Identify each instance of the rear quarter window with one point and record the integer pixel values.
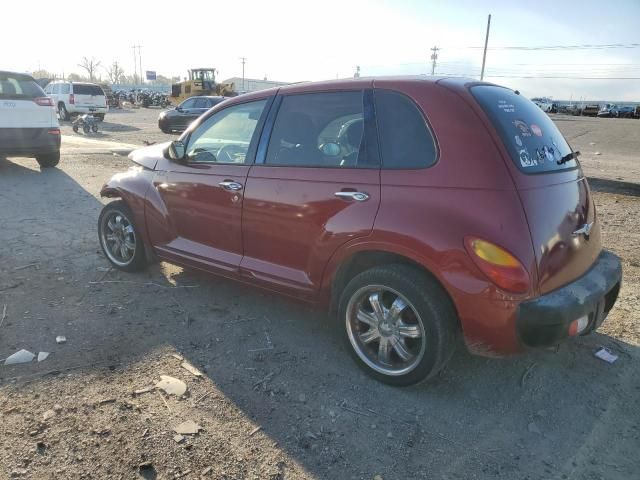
(15, 86)
(405, 140)
(82, 89)
(534, 142)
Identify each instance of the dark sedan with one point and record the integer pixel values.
(179, 118)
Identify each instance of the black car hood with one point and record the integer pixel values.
(148, 157)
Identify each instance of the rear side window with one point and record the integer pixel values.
(15, 86)
(534, 142)
(63, 88)
(319, 130)
(405, 139)
(84, 89)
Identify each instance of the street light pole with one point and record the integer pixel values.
(486, 42)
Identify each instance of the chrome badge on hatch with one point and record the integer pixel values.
(584, 230)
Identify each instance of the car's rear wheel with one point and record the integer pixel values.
(63, 114)
(119, 238)
(398, 323)
(49, 160)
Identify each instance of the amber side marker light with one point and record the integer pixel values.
(500, 266)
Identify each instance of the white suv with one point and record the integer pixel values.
(28, 123)
(77, 98)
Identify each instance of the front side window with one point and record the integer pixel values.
(201, 103)
(188, 103)
(534, 142)
(226, 136)
(319, 130)
(405, 139)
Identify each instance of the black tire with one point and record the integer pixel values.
(138, 261)
(75, 128)
(49, 160)
(63, 114)
(433, 306)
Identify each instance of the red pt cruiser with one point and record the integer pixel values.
(416, 210)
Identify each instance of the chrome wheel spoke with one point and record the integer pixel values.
(376, 304)
(110, 237)
(118, 238)
(111, 225)
(124, 252)
(366, 317)
(370, 335)
(396, 309)
(409, 331)
(401, 349)
(384, 349)
(129, 244)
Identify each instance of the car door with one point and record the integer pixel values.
(314, 187)
(202, 196)
(184, 113)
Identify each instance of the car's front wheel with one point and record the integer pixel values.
(119, 238)
(398, 323)
(49, 160)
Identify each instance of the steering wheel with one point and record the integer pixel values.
(227, 154)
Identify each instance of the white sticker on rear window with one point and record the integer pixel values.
(525, 160)
(522, 127)
(506, 107)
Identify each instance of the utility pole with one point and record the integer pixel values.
(244, 60)
(140, 61)
(486, 42)
(135, 65)
(434, 57)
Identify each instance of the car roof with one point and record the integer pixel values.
(8, 72)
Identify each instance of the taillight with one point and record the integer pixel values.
(500, 266)
(53, 131)
(72, 99)
(44, 101)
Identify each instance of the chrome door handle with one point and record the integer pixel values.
(230, 185)
(357, 196)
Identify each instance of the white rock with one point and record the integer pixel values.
(22, 356)
(61, 339)
(171, 385)
(42, 356)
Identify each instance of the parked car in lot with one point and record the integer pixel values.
(28, 123)
(179, 118)
(590, 110)
(545, 104)
(626, 111)
(417, 211)
(73, 98)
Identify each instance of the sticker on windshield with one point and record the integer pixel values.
(548, 153)
(540, 156)
(525, 160)
(518, 141)
(523, 127)
(537, 131)
(506, 107)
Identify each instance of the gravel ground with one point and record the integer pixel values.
(279, 397)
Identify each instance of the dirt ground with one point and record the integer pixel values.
(279, 397)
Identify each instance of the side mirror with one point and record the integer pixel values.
(177, 151)
(179, 109)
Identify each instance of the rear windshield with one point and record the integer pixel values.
(14, 86)
(84, 89)
(532, 139)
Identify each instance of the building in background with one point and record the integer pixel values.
(252, 84)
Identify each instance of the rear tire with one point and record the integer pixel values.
(49, 160)
(63, 114)
(418, 340)
(114, 233)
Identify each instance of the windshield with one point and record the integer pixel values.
(534, 142)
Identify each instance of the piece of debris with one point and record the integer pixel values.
(527, 374)
(171, 385)
(147, 471)
(302, 398)
(106, 400)
(41, 447)
(255, 430)
(206, 471)
(4, 314)
(177, 356)
(533, 428)
(25, 266)
(148, 143)
(42, 356)
(104, 269)
(49, 414)
(22, 356)
(191, 369)
(188, 428)
(178, 438)
(597, 153)
(377, 477)
(143, 390)
(57, 408)
(602, 353)
(61, 339)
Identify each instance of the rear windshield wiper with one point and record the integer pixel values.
(568, 156)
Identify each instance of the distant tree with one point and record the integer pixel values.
(42, 74)
(115, 73)
(74, 77)
(91, 66)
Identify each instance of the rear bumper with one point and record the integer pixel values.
(29, 141)
(545, 320)
(87, 109)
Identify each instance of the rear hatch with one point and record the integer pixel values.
(18, 107)
(554, 192)
(89, 95)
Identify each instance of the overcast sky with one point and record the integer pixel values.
(293, 40)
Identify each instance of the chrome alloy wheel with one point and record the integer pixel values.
(118, 238)
(385, 330)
